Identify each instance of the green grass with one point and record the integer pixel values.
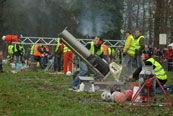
(43, 94)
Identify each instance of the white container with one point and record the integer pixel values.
(93, 88)
(82, 87)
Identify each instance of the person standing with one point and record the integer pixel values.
(57, 54)
(128, 54)
(17, 52)
(10, 51)
(140, 45)
(68, 55)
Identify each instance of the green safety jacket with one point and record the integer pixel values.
(10, 49)
(131, 49)
(32, 49)
(66, 48)
(99, 52)
(58, 44)
(113, 51)
(22, 50)
(159, 71)
(137, 42)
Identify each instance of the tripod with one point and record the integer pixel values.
(148, 84)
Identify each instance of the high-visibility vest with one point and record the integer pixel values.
(46, 48)
(113, 51)
(36, 52)
(23, 50)
(137, 42)
(10, 49)
(131, 49)
(66, 48)
(99, 52)
(15, 48)
(58, 44)
(32, 49)
(159, 71)
(109, 51)
(105, 50)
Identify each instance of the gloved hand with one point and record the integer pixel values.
(124, 54)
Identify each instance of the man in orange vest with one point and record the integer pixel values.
(68, 55)
(105, 52)
(37, 54)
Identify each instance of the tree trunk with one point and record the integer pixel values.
(157, 23)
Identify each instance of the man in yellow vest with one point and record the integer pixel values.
(140, 45)
(17, 52)
(129, 53)
(31, 52)
(95, 48)
(10, 52)
(57, 56)
(22, 54)
(157, 68)
(68, 55)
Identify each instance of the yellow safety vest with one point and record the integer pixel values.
(99, 52)
(23, 52)
(137, 42)
(32, 49)
(15, 48)
(113, 51)
(57, 46)
(131, 49)
(10, 49)
(109, 51)
(66, 48)
(159, 71)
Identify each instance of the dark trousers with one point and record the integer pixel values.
(37, 59)
(57, 63)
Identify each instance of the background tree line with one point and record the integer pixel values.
(87, 18)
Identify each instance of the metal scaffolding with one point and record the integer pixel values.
(51, 41)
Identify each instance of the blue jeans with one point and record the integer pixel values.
(57, 63)
(138, 61)
(127, 62)
(84, 70)
(44, 62)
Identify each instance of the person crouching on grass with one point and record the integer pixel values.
(157, 68)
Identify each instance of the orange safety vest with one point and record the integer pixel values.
(36, 52)
(105, 50)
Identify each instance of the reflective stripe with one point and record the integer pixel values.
(132, 46)
(158, 70)
(161, 74)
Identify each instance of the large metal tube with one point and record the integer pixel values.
(70, 39)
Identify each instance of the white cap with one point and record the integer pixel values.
(3, 37)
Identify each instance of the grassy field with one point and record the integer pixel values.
(44, 94)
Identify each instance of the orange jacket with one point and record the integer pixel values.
(36, 52)
(105, 50)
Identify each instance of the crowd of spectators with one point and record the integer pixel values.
(165, 55)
